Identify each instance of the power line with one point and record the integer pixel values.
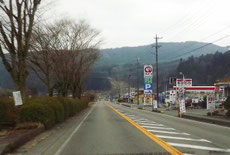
(178, 56)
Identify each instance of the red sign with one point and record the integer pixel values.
(148, 71)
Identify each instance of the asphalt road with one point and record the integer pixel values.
(185, 135)
(101, 130)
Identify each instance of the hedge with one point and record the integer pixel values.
(38, 113)
(50, 110)
(46, 110)
(8, 113)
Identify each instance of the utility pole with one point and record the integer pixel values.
(129, 88)
(137, 83)
(157, 82)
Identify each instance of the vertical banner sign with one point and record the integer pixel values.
(182, 106)
(148, 84)
(180, 91)
(210, 103)
(17, 98)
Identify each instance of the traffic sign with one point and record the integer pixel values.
(148, 86)
(180, 90)
(148, 70)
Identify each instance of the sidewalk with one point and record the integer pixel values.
(193, 114)
(9, 143)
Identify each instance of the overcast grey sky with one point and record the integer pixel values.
(135, 22)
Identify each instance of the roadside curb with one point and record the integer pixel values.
(158, 111)
(126, 105)
(208, 120)
(22, 139)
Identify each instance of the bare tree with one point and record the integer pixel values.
(16, 24)
(63, 54)
(41, 57)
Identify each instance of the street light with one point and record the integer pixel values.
(183, 77)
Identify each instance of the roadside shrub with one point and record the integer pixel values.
(53, 103)
(51, 110)
(38, 113)
(8, 112)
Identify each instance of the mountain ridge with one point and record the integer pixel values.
(168, 52)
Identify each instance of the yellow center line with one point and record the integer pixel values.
(159, 141)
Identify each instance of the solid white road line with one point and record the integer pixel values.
(182, 138)
(199, 147)
(149, 124)
(71, 135)
(156, 127)
(169, 132)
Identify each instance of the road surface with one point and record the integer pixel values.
(104, 129)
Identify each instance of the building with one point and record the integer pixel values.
(225, 86)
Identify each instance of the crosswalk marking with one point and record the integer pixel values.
(157, 127)
(150, 124)
(199, 147)
(182, 138)
(169, 132)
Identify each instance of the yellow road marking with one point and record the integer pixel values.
(159, 141)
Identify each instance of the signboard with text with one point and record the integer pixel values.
(17, 98)
(148, 84)
(186, 83)
(148, 70)
(182, 106)
(210, 103)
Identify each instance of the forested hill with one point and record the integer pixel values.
(206, 69)
(167, 52)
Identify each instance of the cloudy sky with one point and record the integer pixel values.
(136, 22)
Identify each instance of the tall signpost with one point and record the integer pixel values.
(148, 84)
(181, 98)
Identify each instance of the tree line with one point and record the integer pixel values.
(206, 69)
(60, 53)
